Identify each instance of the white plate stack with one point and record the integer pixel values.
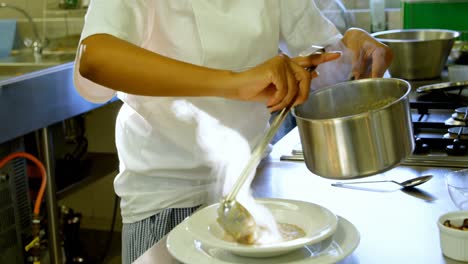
(328, 238)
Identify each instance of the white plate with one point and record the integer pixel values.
(182, 246)
(317, 222)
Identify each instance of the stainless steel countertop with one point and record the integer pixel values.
(25, 64)
(395, 226)
(40, 99)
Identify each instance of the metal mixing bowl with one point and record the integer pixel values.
(418, 53)
(356, 128)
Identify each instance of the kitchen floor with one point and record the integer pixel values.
(94, 242)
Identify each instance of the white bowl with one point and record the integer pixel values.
(453, 242)
(318, 223)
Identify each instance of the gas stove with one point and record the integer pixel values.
(440, 126)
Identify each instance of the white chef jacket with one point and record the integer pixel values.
(162, 164)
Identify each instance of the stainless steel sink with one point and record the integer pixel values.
(10, 71)
(23, 62)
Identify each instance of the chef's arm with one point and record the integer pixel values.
(122, 66)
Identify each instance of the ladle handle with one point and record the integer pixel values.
(257, 153)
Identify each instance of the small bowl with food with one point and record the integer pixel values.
(298, 224)
(453, 232)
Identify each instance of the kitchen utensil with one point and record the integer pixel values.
(453, 242)
(418, 53)
(356, 128)
(406, 184)
(457, 185)
(318, 223)
(232, 216)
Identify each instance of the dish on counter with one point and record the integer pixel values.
(457, 185)
(317, 222)
(183, 246)
(453, 242)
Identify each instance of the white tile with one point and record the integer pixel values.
(394, 19)
(34, 7)
(11, 13)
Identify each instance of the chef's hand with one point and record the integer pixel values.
(371, 58)
(281, 81)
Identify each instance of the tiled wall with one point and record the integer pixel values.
(34, 8)
(51, 25)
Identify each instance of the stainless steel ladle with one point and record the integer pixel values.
(406, 184)
(234, 218)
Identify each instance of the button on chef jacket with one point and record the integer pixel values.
(162, 164)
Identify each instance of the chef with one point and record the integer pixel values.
(218, 56)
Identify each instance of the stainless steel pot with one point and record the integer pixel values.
(347, 133)
(418, 53)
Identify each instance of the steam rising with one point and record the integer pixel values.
(336, 12)
(227, 152)
(334, 71)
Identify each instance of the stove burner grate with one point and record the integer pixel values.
(457, 132)
(440, 127)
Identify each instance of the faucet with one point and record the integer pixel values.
(36, 44)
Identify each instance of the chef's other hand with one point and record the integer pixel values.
(281, 81)
(371, 58)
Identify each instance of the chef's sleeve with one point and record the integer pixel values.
(124, 19)
(302, 26)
